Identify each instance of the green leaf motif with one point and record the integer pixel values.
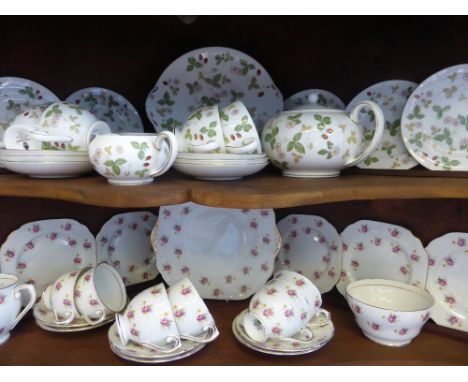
(192, 64)
(135, 145)
(416, 113)
(120, 161)
(299, 148)
(290, 146)
(440, 111)
(166, 100)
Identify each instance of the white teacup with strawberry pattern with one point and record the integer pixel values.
(10, 303)
(192, 317)
(59, 297)
(279, 311)
(99, 292)
(148, 320)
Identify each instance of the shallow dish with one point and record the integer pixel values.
(49, 169)
(223, 157)
(40, 153)
(219, 172)
(389, 312)
(228, 254)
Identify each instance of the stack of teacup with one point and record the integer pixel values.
(220, 144)
(50, 141)
(162, 325)
(81, 299)
(284, 317)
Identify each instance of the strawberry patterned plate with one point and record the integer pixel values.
(124, 242)
(209, 76)
(110, 107)
(375, 250)
(446, 280)
(321, 97)
(311, 246)
(228, 254)
(40, 251)
(138, 353)
(322, 335)
(391, 96)
(18, 94)
(434, 123)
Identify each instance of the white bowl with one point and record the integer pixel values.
(215, 172)
(50, 169)
(389, 312)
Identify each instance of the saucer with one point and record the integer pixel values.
(138, 353)
(322, 335)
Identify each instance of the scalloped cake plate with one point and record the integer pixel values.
(376, 250)
(228, 254)
(208, 76)
(312, 247)
(110, 107)
(435, 121)
(391, 96)
(446, 280)
(124, 242)
(38, 252)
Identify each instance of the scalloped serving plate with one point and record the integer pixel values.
(312, 246)
(228, 254)
(447, 280)
(376, 250)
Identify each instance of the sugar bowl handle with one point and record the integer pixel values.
(171, 140)
(379, 128)
(32, 300)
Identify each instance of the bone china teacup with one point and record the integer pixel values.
(192, 317)
(99, 292)
(148, 320)
(279, 311)
(133, 159)
(10, 303)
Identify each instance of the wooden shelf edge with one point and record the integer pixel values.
(260, 191)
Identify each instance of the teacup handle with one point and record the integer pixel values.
(379, 128)
(305, 332)
(249, 148)
(97, 321)
(205, 148)
(97, 127)
(171, 140)
(175, 341)
(43, 136)
(67, 321)
(321, 312)
(211, 334)
(32, 299)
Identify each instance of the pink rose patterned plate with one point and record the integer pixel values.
(447, 280)
(312, 247)
(138, 353)
(110, 107)
(228, 254)
(322, 335)
(209, 76)
(124, 242)
(40, 251)
(375, 250)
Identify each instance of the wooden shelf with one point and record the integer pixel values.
(259, 191)
(434, 346)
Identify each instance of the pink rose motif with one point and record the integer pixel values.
(246, 270)
(300, 282)
(360, 246)
(394, 232)
(177, 228)
(264, 212)
(276, 330)
(164, 240)
(364, 228)
(155, 291)
(201, 317)
(286, 248)
(125, 280)
(130, 314)
(77, 293)
(134, 226)
(321, 239)
(254, 252)
(271, 291)
(253, 224)
(303, 315)
(461, 242)
(317, 275)
(71, 242)
(450, 300)
(449, 261)
(268, 312)
(402, 331)
(93, 302)
(442, 282)
(245, 210)
(244, 288)
(431, 262)
(377, 241)
(354, 263)
(228, 279)
(103, 240)
(293, 234)
(344, 247)
(286, 262)
(147, 261)
(185, 291)
(132, 268)
(146, 309)
(415, 257)
(66, 302)
(185, 269)
(36, 228)
(146, 275)
(216, 292)
(307, 230)
(166, 213)
(134, 332)
(10, 254)
(145, 217)
(392, 318)
(179, 313)
(178, 252)
(185, 210)
(67, 227)
(2, 298)
(319, 223)
(342, 274)
(375, 326)
(404, 270)
(21, 266)
(77, 260)
(87, 277)
(255, 304)
(111, 249)
(120, 221)
(264, 267)
(29, 245)
(288, 313)
(292, 293)
(73, 274)
(266, 239)
(167, 267)
(58, 285)
(204, 280)
(117, 263)
(396, 249)
(334, 247)
(357, 309)
(87, 245)
(326, 259)
(331, 273)
(452, 320)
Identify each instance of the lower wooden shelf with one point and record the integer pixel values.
(30, 345)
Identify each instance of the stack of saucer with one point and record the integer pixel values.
(220, 166)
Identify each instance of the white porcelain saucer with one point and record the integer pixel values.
(138, 353)
(322, 335)
(52, 168)
(216, 171)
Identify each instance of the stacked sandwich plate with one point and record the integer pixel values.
(220, 166)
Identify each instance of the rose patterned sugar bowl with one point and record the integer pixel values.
(315, 142)
(389, 313)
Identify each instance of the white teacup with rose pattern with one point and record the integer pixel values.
(311, 294)
(59, 297)
(279, 311)
(240, 134)
(202, 132)
(99, 292)
(148, 320)
(10, 303)
(192, 317)
(65, 119)
(133, 159)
